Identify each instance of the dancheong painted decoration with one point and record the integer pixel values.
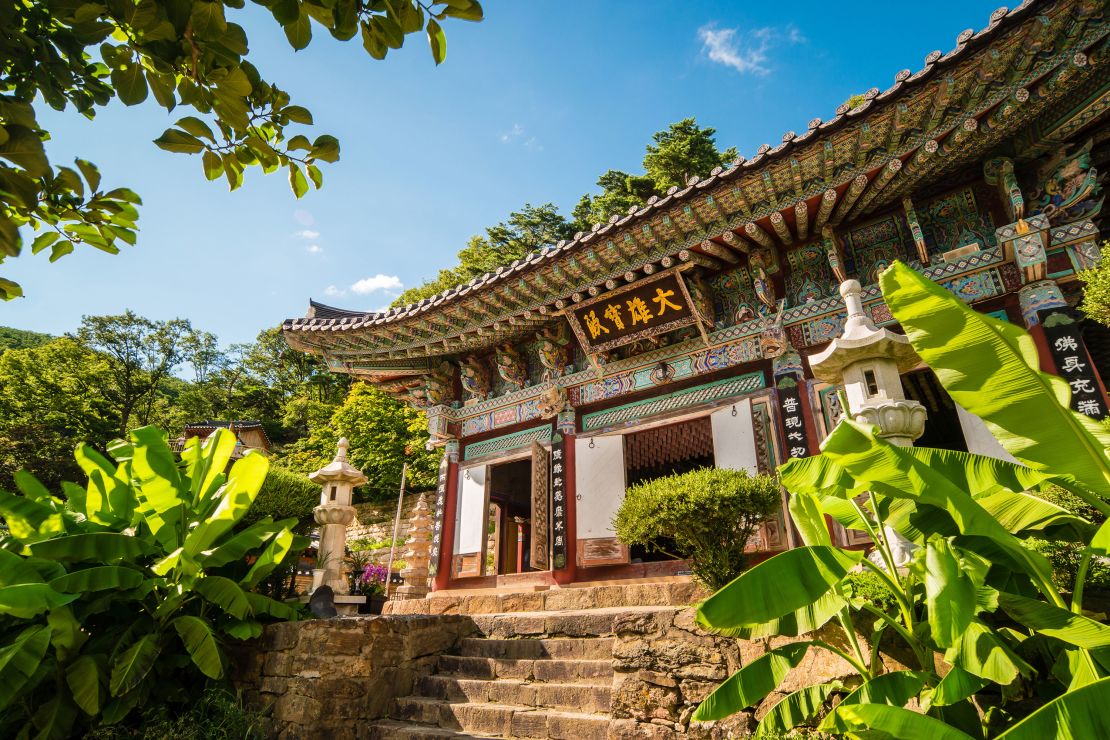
(691, 322)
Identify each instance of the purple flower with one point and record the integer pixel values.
(374, 574)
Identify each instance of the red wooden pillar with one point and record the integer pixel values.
(447, 537)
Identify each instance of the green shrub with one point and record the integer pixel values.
(706, 515)
(216, 715)
(1065, 556)
(286, 495)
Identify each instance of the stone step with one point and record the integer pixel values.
(502, 720)
(578, 648)
(679, 592)
(388, 729)
(542, 671)
(599, 622)
(582, 697)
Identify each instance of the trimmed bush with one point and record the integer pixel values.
(284, 495)
(706, 515)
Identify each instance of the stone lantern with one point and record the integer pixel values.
(867, 362)
(337, 479)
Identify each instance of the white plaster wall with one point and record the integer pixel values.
(470, 514)
(979, 439)
(599, 483)
(734, 438)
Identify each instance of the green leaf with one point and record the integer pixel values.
(98, 578)
(208, 19)
(194, 125)
(161, 491)
(1075, 667)
(983, 653)
(243, 629)
(297, 180)
(200, 644)
(437, 41)
(1053, 621)
(173, 140)
(130, 83)
(885, 722)
(213, 165)
(956, 686)
(96, 546)
(315, 175)
(44, 240)
(991, 368)
(54, 719)
(299, 32)
(235, 499)
(20, 659)
(24, 148)
(133, 664)
(25, 517)
(265, 606)
(205, 463)
(298, 114)
(236, 547)
(1028, 515)
(949, 593)
(1077, 715)
(270, 558)
(9, 290)
(26, 600)
(808, 517)
(90, 172)
(752, 683)
(798, 622)
(326, 147)
(778, 586)
(895, 689)
(226, 594)
(83, 679)
(109, 500)
(473, 12)
(796, 708)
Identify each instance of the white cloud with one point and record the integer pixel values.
(303, 217)
(746, 52)
(377, 282)
(512, 134)
(333, 292)
(306, 234)
(314, 249)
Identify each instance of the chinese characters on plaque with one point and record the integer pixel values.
(1073, 364)
(795, 436)
(649, 307)
(558, 505)
(437, 525)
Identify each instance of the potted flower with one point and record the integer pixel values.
(372, 585)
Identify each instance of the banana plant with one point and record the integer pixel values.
(989, 646)
(128, 589)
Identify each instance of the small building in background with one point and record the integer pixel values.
(249, 435)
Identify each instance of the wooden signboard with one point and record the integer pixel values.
(437, 523)
(558, 504)
(541, 507)
(645, 309)
(1073, 363)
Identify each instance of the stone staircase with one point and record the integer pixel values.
(527, 675)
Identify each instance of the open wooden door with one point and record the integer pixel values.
(471, 517)
(541, 507)
(599, 486)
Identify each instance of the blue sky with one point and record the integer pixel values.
(531, 106)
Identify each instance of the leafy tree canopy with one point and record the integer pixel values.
(186, 53)
(1096, 291)
(21, 338)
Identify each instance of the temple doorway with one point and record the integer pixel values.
(509, 528)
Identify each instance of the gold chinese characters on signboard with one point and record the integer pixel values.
(647, 308)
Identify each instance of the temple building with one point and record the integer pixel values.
(679, 334)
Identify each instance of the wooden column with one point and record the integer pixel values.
(447, 537)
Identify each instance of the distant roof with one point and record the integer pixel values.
(240, 425)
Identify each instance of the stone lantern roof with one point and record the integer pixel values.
(339, 470)
(860, 340)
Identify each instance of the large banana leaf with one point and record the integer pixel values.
(19, 660)
(235, 500)
(1027, 515)
(990, 367)
(29, 520)
(205, 463)
(224, 593)
(200, 644)
(83, 679)
(896, 472)
(163, 495)
(809, 518)
(752, 683)
(796, 708)
(270, 558)
(92, 546)
(1064, 625)
(1077, 715)
(777, 587)
(982, 652)
(133, 664)
(54, 719)
(956, 686)
(895, 688)
(98, 578)
(109, 499)
(949, 593)
(264, 605)
(799, 622)
(14, 570)
(236, 547)
(26, 600)
(886, 722)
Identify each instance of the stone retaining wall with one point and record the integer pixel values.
(328, 678)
